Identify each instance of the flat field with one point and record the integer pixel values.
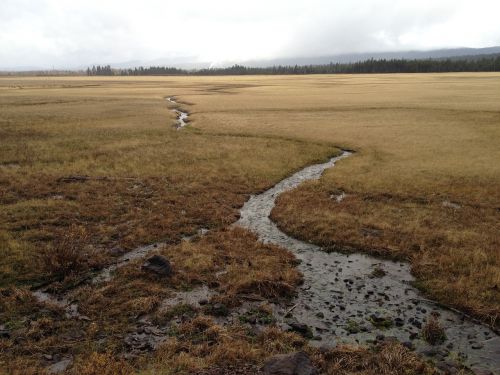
(91, 168)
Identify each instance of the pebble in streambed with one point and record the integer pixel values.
(342, 301)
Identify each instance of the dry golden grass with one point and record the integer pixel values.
(207, 348)
(146, 181)
(421, 140)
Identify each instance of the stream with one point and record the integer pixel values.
(181, 115)
(343, 302)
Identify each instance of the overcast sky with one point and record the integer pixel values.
(73, 33)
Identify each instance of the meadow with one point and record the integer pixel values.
(91, 168)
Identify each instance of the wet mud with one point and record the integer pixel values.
(361, 299)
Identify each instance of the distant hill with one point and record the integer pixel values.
(455, 53)
(189, 63)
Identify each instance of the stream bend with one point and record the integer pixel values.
(341, 300)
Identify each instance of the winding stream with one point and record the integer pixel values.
(181, 115)
(341, 300)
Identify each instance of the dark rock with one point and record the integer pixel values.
(320, 315)
(4, 333)
(477, 345)
(217, 309)
(430, 352)
(297, 363)
(399, 322)
(447, 367)
(381, 321)
(202, 302)
(409, 345)
(159, 265)
(301, 328)
(416, 323)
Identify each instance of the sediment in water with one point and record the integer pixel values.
(342, 301)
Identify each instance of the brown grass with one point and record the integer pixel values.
(146, 182)
(432, 331)
(209, 349)
(421, 140)
(70, 254)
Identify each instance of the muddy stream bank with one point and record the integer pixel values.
(341, 301)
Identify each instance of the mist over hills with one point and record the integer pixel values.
(190, 63)
(355, 57)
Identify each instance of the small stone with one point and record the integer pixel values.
(447, 367)
(4, 334)
(297, 363)
(320, 315)
(301, 328)
(159, 265)
(477, 345)
(399, 322)
(409, 345)
(218, 309)
(416, 323)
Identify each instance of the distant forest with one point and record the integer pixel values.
(489, 63)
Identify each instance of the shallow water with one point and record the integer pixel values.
(340, 299)
(181, 116)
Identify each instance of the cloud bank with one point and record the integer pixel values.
(69, 34)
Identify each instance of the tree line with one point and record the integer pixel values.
(491, 63)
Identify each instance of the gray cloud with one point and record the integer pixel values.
(60, 33)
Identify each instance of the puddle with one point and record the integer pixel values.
(448, 204)
(138, 253)
(195, 297)
(342, 301)
(71, 309)
(338, 197)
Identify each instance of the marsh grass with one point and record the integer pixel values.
(421, 140)
(433, 332)
(70, 255)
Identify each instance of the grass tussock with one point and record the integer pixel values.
(70, 254)
(433, 332)
(235, 263)
(202, 347)
(102, 363)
